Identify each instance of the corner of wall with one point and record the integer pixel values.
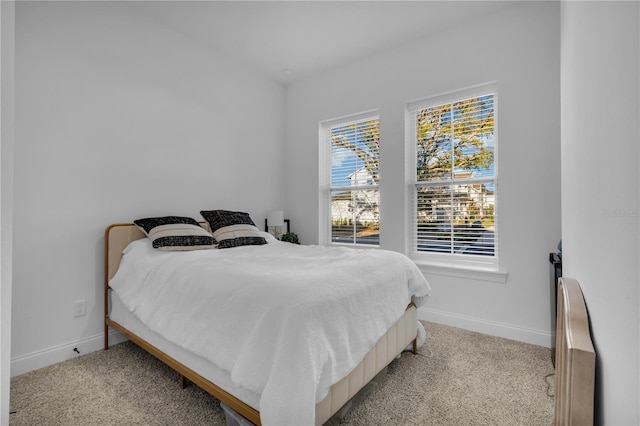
(7, 59)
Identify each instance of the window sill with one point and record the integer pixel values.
(354, 245)
(460, 271)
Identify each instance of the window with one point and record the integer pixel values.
(352, 194)
(453, 142)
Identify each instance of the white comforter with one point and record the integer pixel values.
(286, 321)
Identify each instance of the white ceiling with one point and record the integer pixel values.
(307, 37)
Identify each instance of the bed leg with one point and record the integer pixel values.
(183, 382)
(415, 346)
(106, 337)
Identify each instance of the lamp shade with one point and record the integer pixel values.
(275, 218)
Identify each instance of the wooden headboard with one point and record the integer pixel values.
(575, 358)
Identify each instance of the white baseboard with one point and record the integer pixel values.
(492, 328)
(35, 360)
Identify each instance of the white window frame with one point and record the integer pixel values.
(325, 188)
(463, 265)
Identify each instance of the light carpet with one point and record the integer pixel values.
(458, 378)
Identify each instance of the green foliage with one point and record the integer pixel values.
(290, 237)
(451, 137)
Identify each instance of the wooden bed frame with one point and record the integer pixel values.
(118, 236)
(575, 358)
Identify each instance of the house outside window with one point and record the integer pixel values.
(351, 148)
(453, 166)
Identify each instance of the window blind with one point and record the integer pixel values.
(455, 181)
(355, 153)
(354, 181)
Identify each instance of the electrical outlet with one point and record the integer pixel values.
(79, 308)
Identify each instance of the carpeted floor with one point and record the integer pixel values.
(458, 378)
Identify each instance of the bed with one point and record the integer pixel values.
(286, 366)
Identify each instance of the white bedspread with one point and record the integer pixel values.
(286, 321)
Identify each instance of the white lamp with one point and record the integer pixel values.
(275, 220)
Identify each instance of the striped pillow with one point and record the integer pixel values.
(175, 233)
(233, 229)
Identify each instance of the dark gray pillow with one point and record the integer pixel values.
(175, 233)
(233, 229)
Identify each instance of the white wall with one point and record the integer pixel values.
(118, 117)
(517, 47)
(601, 189)
(7, 13)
